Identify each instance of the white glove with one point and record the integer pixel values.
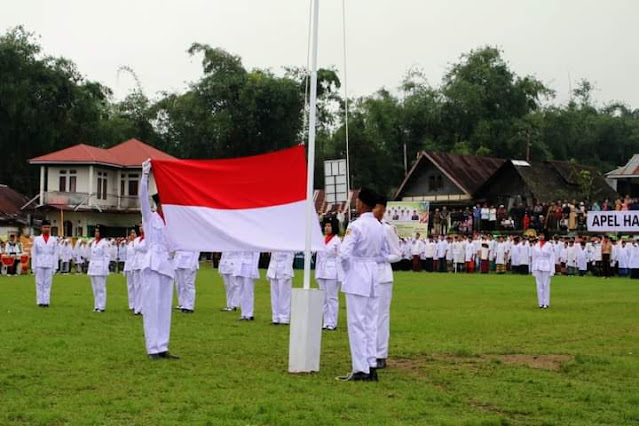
(146, 167)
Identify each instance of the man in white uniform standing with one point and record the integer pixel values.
(360, 252)
(280, 275)
(44, 262)
(186, 265)
(225, 269)
(157, 275)
(245, 274)
(99, 259)
(384, 288)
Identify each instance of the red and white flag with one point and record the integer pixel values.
(253, 203)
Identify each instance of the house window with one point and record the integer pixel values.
(133, 184)
(63, 181)
(72, 180)
(122, 187)
(104, 186)
(435, 182)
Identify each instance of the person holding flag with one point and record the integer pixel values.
(360, 252)
(280, 275)
(157, 274)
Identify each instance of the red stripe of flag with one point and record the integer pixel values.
(265, 180)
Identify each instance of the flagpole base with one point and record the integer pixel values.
(305, 342)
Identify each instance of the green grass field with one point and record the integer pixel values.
(464, 350)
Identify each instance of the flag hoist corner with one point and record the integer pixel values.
(255, 203)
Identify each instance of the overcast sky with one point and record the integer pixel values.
(555, 40)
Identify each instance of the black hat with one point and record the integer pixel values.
(383, 200)
(156, 198)
(368, 197)
(97, 227)
(46, 222)
(334, 224)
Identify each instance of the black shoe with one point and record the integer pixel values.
(354, 377)
(178, 308)
(247, 318)
(168, 355)
(372, 376)
(46, 305)
(154, 357)
(137, 313)
(187, 311)
(228, 309)
(381, 363)
(275, 323)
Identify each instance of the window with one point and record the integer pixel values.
(72, 180)
(63, 181)
(99, 194)
(435, 182)
(133, 184)
(104, 186)
(122, 187)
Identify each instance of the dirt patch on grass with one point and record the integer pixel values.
(418, 364)
(551, 362)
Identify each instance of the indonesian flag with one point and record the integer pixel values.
(253, 203)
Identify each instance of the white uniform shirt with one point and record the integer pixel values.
(130, 256)
(44, 254)
(500, 254)
(99, 257)
(363, 247)
(326, 263)
(394, 254)
(157, 243)
(280, 265)
(543, 258)
(225, 267)
(246, 265)
(186, 260)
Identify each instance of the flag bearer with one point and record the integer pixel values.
(186, 264)
(543, 268)
(328, 273)
(384, 288)
(245, 273)
(44, 262)
(99, 259)
(157, 274)
(225, 269)
(280, 274)
(362, 248)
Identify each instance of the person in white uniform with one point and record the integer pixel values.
(360, 252)
(78, 256)
(327, 274)
(543, 268)
(129, 257)
(225, 269)
(66, 254)
(280, 275)
(99, 258)
(44, 262)
(139, 250)
(186, 264)
(157, 275)
(384, 289)
(245, 273)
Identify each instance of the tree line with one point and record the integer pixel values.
(481, 107)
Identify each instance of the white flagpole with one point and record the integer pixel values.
(310, 207)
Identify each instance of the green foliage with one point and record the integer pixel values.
(451, 338)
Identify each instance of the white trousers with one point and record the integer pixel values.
(247, 295)
(543, 287)
(43, 279)
(361, 314)
(281, 289)
(157, 297)
(98, 283)
(232, 291)
(385, 294)
(331, 301)
(130, 288)
(137, 290)
(185, 283)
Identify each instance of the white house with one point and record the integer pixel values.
(83, 186)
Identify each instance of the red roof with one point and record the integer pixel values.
(11, 201)
(127, 154)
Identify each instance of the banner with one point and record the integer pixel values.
(408, 217)
(613, 221)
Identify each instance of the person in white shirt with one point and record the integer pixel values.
(99, 259)
(44, 262)
(245, 273)
(459, 253)
(543, 267)
(122, 252)
(416, 251)
(450, 241)
(128, 269)
(280, 274)
(66, 254)
(157, 274)
(139, 253)
(469, 255)
(363, 247)
(633, 260)
(13, 248)
(384, 288)
(571, 258)
(623, 258)
(430, 251)
(225, 269)
(78, 256)
(524, 258)
(582, 258)
(515, 256)
(328, 274)
(186, 264)
(441, 247)
(500, 256)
